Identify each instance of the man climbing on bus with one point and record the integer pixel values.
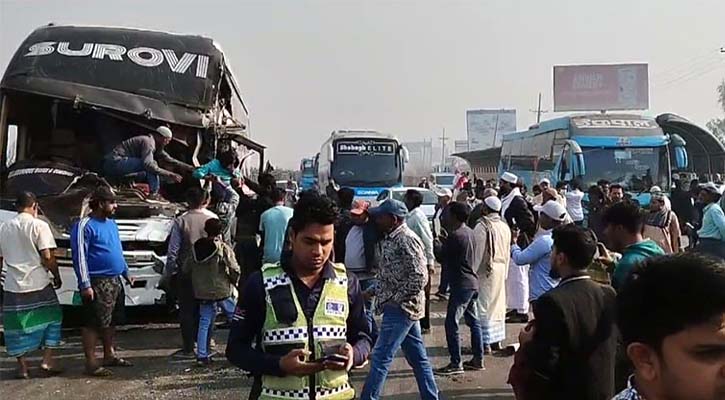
(139, 155)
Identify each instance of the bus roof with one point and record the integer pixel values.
(362, 133)
(563, 123)
(160, 75)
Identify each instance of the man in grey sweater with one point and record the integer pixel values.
(139, 154)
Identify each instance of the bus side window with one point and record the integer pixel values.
(12, 145)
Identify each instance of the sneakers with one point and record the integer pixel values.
(184, 355)
(204, 362)
(517, 318)
(156, 198)
(487, 350)
(474, 365)
(449, 370)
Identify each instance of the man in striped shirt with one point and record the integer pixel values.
(99, 265)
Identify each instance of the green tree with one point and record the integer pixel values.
(717, 125)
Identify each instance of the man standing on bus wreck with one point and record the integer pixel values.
(139, 154)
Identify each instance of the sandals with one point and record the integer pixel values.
(99, 372)
(22, 375)
(117, 362)
(51, 371)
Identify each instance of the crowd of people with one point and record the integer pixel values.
(335, 284)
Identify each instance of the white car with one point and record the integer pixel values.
(443, 180)
(430, 199)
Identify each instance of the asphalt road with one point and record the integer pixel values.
(156, 376)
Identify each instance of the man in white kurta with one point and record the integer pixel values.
(492, 252)
(517, 281)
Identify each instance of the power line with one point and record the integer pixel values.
(692, 74)
(695, 72)
(685, 65)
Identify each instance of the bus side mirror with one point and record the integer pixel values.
(580, 167)
(679, 144)
(330, 153)
(681, 161)
(577, 159)
(406, 154)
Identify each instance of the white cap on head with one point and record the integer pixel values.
(165, 132)
(711, 187)
(545, 181)
(553, 209)
(493, 203)
(655, 189)
(510, 178)
(446, 193)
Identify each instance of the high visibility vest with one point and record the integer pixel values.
(286, 328)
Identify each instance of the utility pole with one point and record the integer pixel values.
(539, 111)
(443, 148)
(495, 131)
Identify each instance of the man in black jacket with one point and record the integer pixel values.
(570, 345)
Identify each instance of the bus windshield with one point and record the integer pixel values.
(383, 170)
(635, 168)
(308, 168)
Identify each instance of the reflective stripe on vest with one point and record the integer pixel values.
(305, 393)
(328, 328)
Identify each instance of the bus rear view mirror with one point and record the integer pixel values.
(330, 153)
(406, 154)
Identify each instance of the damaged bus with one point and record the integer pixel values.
(71, 93)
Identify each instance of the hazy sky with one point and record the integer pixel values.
(414, 67)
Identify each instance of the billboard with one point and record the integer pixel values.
(460, 146)
(601, 87)
(486, 127)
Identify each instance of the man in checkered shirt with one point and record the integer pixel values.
(402, 275)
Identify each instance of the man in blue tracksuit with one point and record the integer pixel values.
(99, 265)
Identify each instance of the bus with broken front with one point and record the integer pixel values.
(71, 93)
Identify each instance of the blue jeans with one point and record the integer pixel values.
(228, 306)
(118, 168)
(207, 315)
(398, 331)
(463, 303)
(366, 284)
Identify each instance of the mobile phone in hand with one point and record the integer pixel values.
(334, 358)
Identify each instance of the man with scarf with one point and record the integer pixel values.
(517, 214)
(661, 224)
